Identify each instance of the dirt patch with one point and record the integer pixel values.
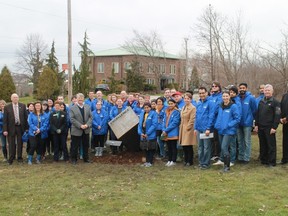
(124, 157)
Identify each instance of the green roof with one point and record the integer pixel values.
(120, 51)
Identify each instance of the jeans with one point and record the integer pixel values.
(204, 150)
(244, 143)
(225, 141)
(4, 145)
(233, 148)
(161, 144)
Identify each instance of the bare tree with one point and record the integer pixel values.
(31, 57)
(277, 59)
(149, 49)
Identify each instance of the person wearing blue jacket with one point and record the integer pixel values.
(204, 124)
(160, 110)
(170, 131)
(177, 96)
(116, 110)
(147, 131)
(227, 121)
(139, 107)
(2, 137)
(233, 90)
(249, 107)
(99, 128)
(261, 94)
(216, 99)
(99, 97)
(38, 131)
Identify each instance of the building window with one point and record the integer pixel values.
(172, 69)
(171, 81)
(150, 81)
(162, 68)
(184, 70)
(115, 66)
(127, 66)
(100, 67)
(150, 67)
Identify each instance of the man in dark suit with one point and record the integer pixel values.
(81, 121)
(14, 125)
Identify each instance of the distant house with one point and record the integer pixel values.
(23, 85)
(170, 68)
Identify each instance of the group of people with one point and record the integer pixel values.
(220, 122)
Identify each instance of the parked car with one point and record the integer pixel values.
(102, 87)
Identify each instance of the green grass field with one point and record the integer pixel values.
(104, 189)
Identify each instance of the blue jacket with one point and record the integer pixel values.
(33, 123)
(237, 101)
(100, 119)
(114, 112)
(204, 115)
(88, 101)
(105, 105)
(151, 124)
(259, 98)
(181, 104)
(249, 107)
(216, 98)
(1, 122)
(160, 118)
(227, 120)
(126, 103)
(172, 128)
(138, 110)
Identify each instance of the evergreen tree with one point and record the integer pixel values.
(135, 81)
(194, 79)
(7, 84)
(84, 72)
(52, 63)
(47, 83)
(76, 81)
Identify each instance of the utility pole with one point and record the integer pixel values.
(69, 51)
(186, 64)
(210, 44)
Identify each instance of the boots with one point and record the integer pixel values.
(226, 163)
(38, 159)
(100, 151)
(30, 158)
(97, 151)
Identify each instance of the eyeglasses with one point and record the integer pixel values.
(214, 86)
(171, 103)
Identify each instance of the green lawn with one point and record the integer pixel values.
(103, 189)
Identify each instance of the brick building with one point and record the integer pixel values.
(168, 68)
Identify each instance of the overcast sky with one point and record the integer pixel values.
(110, 22)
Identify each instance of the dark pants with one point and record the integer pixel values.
(285, 143)
(36, 144)
(172, 150)
(50, 143)
(216, 146)
(267, 147)
(59, 141)
(150, 155)
(98, 140)
(76, 140)
(12, 145)
(188, 154)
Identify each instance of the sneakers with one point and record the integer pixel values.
(219, 162)
(61, 158)
(38, 162)
(81, 157)
(146, 164)
(231, 164)
(29, 162)
(214, 158)
(170, 163)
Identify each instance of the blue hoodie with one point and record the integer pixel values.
(172, 128)
(249, 107)
(160, 118)
(227, 120)
(204, 115)
(151, 124)
(33, 124)
(100, 119)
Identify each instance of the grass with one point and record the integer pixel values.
(103, 189)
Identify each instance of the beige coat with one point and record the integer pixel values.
(186, 128)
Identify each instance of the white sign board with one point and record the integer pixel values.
(124, 122)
